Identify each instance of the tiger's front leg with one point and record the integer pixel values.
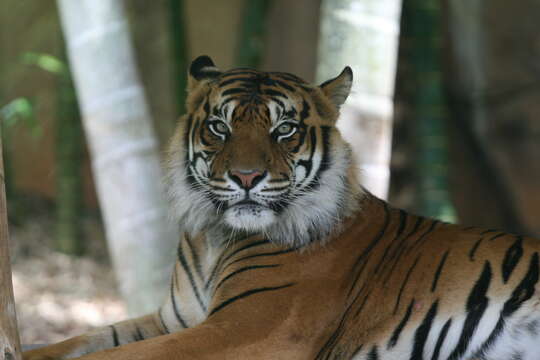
(239, 331)
(100, 339)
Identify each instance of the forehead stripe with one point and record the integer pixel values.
(238, 72)
(305, 111)
(230, 81)
(285, 85)
(273, 92)
(279, 103)
(233, 91)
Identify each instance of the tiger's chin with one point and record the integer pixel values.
(249, 217)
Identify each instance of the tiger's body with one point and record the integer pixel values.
(285, 256)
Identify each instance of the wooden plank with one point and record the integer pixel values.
(10, 347)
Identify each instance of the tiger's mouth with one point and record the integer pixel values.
(249, 215)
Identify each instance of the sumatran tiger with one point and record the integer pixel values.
(286, 256)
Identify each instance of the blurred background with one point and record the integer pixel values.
(443, 118)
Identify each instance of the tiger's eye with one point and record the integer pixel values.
(284, 129)
(221, 127)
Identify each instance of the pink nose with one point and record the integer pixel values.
(245, 178)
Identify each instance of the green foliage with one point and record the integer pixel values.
(20, 111)
(68, 150)
(46, 62)
(251, 42)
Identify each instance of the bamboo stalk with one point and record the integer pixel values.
(123, 147)
(177, 29)
(10, 346)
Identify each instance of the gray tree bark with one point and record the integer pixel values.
(364, 35)
(123, 148)
(10, 346)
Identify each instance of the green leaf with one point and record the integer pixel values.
(46, 62)
(16, 110)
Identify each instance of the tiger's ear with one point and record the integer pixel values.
(338, 88)
(202, 68)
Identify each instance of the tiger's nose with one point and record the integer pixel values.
(247, 178)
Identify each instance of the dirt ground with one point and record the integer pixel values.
(59, 296)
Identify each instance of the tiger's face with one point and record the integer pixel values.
(259, 152)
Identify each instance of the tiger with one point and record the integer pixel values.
(285, 255)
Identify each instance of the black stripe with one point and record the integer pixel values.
(440, 340)
(187, 141)
(421, 334)
(308, 164)
(305, 111)
(285, 85)
(138, 336)
(422, 237)
(273, 92)
(195, 256)
(395, 335)
(376, 239)
(438, 272)
(369, 248)
(477, 303)
(288, 76)
(218, 265)
(233, 91)
(402, 224)
(357, 350)
(373, 354)
(329, 345)
(497, 236)
(116, 342)
(176, 312)
(239, 71)
(359, 310)
(474, 248)
(241, 270)
(511, 258)
(227, 100)
(396, 256)
(165, 327)
(256, 243)
(189, 274)
(279, 102)
(246, 294)
(488, 231)
(523, 292)
(223, 259)
(232, 80)
(273, 253)
(404, 283)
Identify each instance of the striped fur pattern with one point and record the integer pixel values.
(371, 282)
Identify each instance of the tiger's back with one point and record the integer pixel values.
(422, 289)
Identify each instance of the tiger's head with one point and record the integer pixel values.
(258, 152)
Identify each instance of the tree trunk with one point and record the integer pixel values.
(291, 45)
(9, 337)
(123, 148)
(69, 148)
(420, 99)
(494, 88)
(252, 32)
(364, 34)
(178, 37)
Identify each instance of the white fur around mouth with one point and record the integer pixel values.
(249, 217)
